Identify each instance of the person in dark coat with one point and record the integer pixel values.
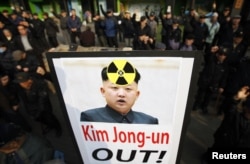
(234, 131)
(9, 102)
(15, 18)
(9, 40)
(5, 22)
(6, 62)
(74, 24)
(167, 21)
(39, 32)
(63, 17)
(200, 32)
(28, 43)
(212, 79)
(236, 80)
(188, 20)
(51, 30)
(223, 17)
(128, 27)
(239, 49)
(27, 36)
(5, 17)
(188, 45)
(110, 25)
(143, 39)
(2, 28)
(236, 123)
(30, 64)
(26, 17)
(174, 36)
(99, 30)
(151, 21)
(225, 33)
(120, 99)
(87, 38)
(34, 95)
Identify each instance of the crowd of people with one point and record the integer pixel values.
(24, 81)
(24, 37)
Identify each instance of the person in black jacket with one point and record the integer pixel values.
(39, 31)
(9, 102)
(234, 131)
(9, 39)
(74, 24)
(188, 20)
(51, 29)
(167, 21)
(239, 50)
(236, 122)
(30, 64)
(87, 37)
(200, 32)
(63, 17)
(188, 45)
(128, 29)
(174, 36)
(236, 80)
(6, 62)
(143, 39)
(225, 33)
(212, 79)
(34, 95)
(28, 43)
(99, 30)
(111, 27)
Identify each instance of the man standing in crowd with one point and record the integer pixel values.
(110, 26)
(128, 29)
(200, 32)
(63, 18)
(167, 21)
(99, 30)
(51, 30)
(74, 24)
(39, 31)
(64, 26)
(213, 28)
(213, 78)
(152, 24)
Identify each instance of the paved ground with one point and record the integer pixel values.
(199, 136)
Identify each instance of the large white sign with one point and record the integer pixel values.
(164, 88)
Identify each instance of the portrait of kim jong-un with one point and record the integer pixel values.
(130, 90)
(119, 88)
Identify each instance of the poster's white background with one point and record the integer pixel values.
(163, 82)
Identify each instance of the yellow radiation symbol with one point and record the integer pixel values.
(121, 72)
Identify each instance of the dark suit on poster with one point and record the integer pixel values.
(107, 114)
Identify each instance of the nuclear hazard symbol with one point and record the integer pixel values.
(121, 72)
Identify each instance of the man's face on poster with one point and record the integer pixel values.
(120, 97)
